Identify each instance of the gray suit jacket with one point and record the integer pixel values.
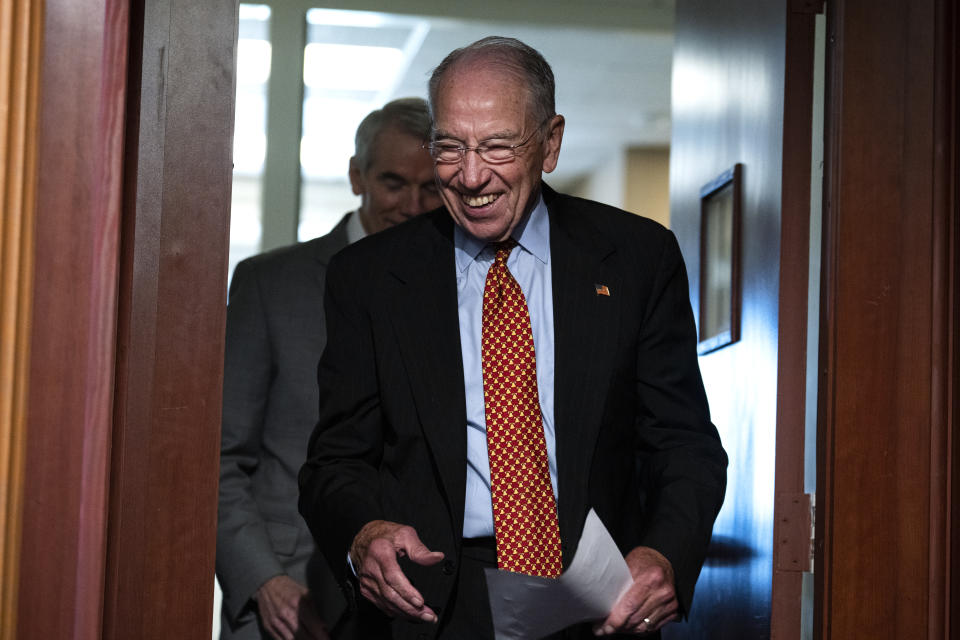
(275, 334)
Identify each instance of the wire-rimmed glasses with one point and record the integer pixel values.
(448, 152)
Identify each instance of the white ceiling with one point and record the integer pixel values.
(613, 74)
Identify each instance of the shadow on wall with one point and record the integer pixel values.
(725, 551)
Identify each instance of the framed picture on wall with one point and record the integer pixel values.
(720, 260)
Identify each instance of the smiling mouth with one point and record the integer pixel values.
(479, 201)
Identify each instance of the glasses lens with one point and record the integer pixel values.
(445, 152)
(497, 153)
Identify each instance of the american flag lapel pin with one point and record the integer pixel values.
(602, 290)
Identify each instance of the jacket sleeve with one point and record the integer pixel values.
(684, 460)
(339, 483)
(245, 557)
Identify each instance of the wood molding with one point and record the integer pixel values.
(72, 335)
(791, 528)
(171, 316)
(20, 46)
(888, 267)
(943, 398)
(946, 399)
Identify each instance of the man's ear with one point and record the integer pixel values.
(356, 177)
(552, 143)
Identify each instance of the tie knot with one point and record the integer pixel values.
(503, 249)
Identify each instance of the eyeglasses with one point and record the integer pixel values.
(450, 153)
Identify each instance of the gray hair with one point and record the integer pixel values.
(410, 115)
(514, 56)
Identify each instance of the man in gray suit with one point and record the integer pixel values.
(274, 584)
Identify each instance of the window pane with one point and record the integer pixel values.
(250, 133)
(353, 63)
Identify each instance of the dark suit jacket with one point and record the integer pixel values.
(275, 335)
(633, 434)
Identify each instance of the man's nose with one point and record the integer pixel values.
(418, 199)
(412, 202)
(472, 169)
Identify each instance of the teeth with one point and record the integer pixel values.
(479, 201)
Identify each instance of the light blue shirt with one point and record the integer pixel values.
(529, 263)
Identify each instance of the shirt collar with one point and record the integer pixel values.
(532, 234)
(355, 229)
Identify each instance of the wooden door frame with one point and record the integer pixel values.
(792, 505)
(129, 301)
(171, 315)
(67, 429)
(887, 540)
(20, 55)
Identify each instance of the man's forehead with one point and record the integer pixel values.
(398, 151)
(482, 125)
(482, 131)
(392, 134)
(394, 137)
(484, 112)
(481, 81)
(404, 174)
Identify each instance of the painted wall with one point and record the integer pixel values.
(607, 184)
(636, 179)
(648, 183)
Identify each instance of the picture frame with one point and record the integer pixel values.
(720, 220)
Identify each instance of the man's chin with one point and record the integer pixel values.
(489, 223)
(490, 232)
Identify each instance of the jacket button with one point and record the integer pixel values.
(447, 568)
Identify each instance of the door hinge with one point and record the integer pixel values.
(794, 531)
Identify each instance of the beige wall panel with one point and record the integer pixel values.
(647, 189)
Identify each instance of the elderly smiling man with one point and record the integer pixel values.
(496, 369)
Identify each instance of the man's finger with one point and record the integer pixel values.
(399, 589)
(403, 602)
(376, 548)
(388, 588)
(632, 602)
(650, 602)
(276, 622)
(388, 601)
(288, 615)
(394, 577)
(382, 566)
(277, 628)
(426, 557)
(420, 553)
(311, 624)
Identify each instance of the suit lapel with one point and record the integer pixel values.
(424, 315)
(330, 244)
(585, 333)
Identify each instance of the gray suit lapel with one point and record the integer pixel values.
(332, 242)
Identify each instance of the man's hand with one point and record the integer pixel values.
(286, 611)
(651, 601)
(374, 555)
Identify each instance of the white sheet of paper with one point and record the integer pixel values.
(530, 607)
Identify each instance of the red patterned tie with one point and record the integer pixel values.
(524, 510)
